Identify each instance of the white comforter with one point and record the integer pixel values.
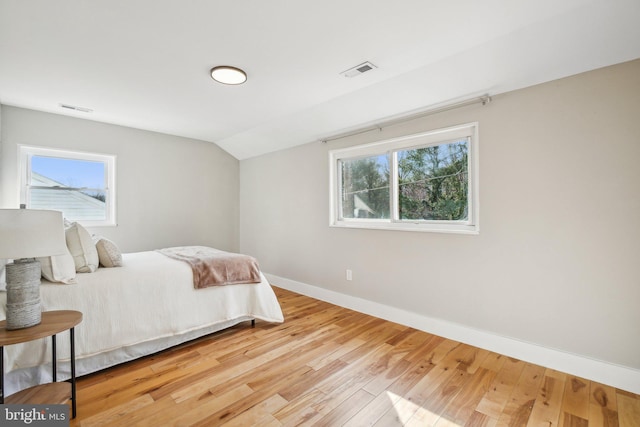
(146, 305)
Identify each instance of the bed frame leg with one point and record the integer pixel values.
(253, 323)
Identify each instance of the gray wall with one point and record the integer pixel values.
(556, 262)
(171, 191)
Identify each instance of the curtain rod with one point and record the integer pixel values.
(484, 100)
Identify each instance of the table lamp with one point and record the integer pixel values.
(24, 235)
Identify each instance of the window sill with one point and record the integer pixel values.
(419, 227)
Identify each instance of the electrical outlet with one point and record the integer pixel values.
(349, 275)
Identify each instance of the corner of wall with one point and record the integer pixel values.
(1, 157)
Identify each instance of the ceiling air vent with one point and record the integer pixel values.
(359, 69)
(76, 108)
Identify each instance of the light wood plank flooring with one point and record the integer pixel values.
(329, 366)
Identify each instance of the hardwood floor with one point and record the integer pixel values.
(329, 366)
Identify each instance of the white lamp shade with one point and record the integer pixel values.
(31, 233)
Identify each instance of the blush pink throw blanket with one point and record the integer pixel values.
(213, 267)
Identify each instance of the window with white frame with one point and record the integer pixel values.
(81, 185)
(421, 182)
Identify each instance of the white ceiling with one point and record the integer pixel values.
(145, 63)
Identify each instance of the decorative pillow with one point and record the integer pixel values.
(3, 283)
(82, 249)
(108, 252)
(59, 268)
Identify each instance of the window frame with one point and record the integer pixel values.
(390, 147)
(26, 153)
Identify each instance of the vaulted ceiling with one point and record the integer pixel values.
(145, 63)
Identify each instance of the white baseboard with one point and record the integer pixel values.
(621, 377)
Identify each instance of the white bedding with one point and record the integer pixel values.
(145, 306)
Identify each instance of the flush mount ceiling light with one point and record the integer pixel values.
(228, 75)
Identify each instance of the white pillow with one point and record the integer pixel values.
(3, 280)
(108, 252)
(83, 251)
(59, 268)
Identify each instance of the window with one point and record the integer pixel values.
(422, 182)
(81, 185)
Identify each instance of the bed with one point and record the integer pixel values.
(146, 305)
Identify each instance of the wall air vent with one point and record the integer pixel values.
(76, 108)
(359, 69)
